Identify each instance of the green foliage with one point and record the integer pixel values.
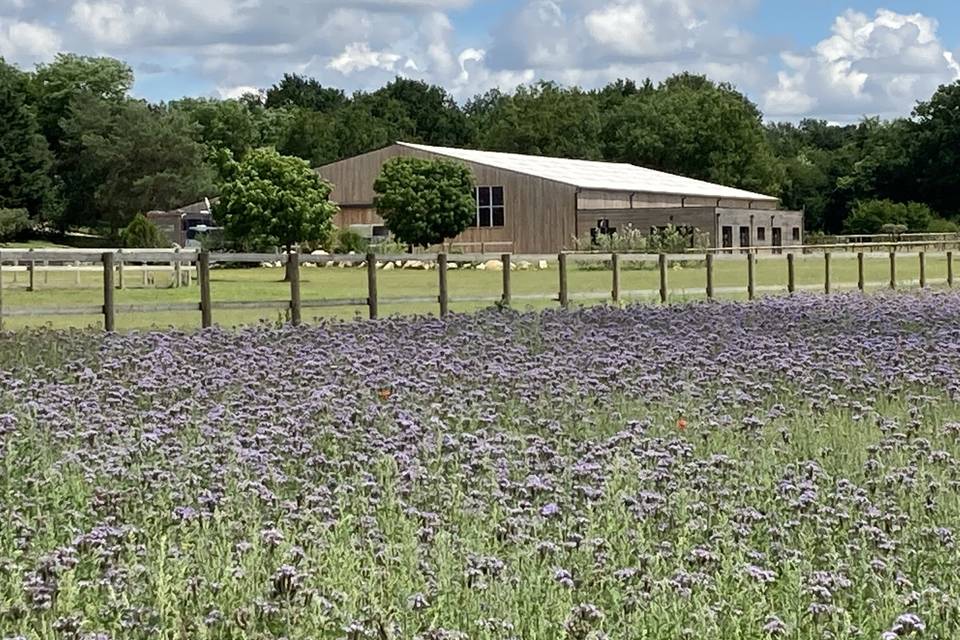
(141, 233)
(272, 200)
(942, 225)
(870, 216)
(542, 119)
(693, 127)
(127, 158)
(348, 241)
(424, 202)
(222, 124)
(935, 162)
(26, 163)
(669, 239)
(304, 93)
(13, 222)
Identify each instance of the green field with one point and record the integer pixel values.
(591, 283)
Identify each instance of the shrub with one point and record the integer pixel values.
(942, 225)
(143, 234)
(13, 222)
(347, 241)
(871, 216)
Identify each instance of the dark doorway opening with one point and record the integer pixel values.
(727, 237)
(777, 239)
(745, 237)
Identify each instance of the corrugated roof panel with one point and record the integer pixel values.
(587, 174)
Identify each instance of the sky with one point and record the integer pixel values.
(838, 61)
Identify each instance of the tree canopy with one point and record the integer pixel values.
(424, 202)
(268, 200)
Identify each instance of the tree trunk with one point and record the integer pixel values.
(289, 265)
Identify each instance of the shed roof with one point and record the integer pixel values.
(588, 174)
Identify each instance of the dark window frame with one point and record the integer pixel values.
(491, 207)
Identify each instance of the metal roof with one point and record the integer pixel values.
(588, 174)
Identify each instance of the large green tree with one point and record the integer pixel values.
(296, 91)
(222, 124)
(424, 202)
(131, 158)
(697, 128)
(272, 200)
(26, 163)
(936, 152)
(542, 119)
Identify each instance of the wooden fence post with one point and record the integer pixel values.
(923, 270)
(143, 274)
(108, 308)
(203, 275)
(294, 270)
(791, 273)
(507, 294)
(564, 294)
(861, 273)
(709, 276)
(949, 268)
(120, 271)
(893, 269)
(444, 296)
(615, 265)
(826, 272)
(664, 285)
(76, 273)
(751, 276)
(32, 275)
(176, 268)
(372, 302)
(46, 272)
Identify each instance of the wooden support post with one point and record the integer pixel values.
(709, 276)
(16, 273)
(143, 273)
(751, 276)
(206, 303)
(176, 268)
(664, 285)
(615, 264)
(564, 294)
(32, 275)
(861, 273)
(893, 269)
(46, 272)
(109, 320)
(505, 260)
(791, 273)
(372, 302)
(826, 272)
(949, 268)
(444, 297)
(294, 270)
(120, 272)
(923, 270)
(76, 272)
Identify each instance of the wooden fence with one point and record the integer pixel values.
(294, 304)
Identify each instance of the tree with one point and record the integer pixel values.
(304, 93)
(694, 127)
(936, 157)
(129, 158)
(424, 202)
(143, 234)
(272, 200)
(13, 222)
(25, 160)
(55, 87)
(311, 135)
(222, 124)
(544, 119)
(428, 113)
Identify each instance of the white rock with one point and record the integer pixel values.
(266, 265)
(309, 265)
(398, 264)
(482, 266)
(319, 252)
(379, 265)
(277, 264)
(453, 266)
(427, 266)
(328, 264)
(523, 265)
(493, 265)
(413, 264)
(543, 265)
(389, 266)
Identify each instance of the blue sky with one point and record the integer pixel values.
(816, 58)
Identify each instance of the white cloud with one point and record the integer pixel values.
(879, 65)
(27, 42)
(359, 57)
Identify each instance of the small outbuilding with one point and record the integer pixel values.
(533, 204)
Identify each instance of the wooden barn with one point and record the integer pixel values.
(533, 204)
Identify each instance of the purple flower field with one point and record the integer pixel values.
(781, 469)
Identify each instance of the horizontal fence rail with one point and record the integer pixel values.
(113, 263)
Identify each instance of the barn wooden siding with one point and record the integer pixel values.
(540, 215)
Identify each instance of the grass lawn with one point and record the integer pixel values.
(594, 284)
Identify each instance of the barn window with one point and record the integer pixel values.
(490, 206)
(796, 234)
(761, 234)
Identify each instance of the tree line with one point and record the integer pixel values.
(77, 151)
